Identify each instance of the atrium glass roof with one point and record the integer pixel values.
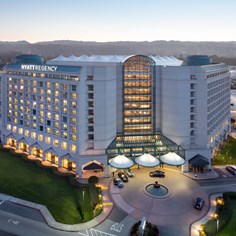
(136, 145)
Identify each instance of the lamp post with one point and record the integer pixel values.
(83, 203)
(216, 218)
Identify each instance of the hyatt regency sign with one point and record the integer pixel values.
(39, 67)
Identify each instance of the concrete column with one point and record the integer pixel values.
(107, 171)
(79, 170)
(59, 162)
(44, 156)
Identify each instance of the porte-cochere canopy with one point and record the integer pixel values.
(136, 145)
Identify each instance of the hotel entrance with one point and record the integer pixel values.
(11, 142)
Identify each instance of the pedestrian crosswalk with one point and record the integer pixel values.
(95, 232)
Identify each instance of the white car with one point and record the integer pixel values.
(129, 172)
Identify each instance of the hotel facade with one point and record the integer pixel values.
(74, 111)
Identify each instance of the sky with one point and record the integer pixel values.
(117, 20)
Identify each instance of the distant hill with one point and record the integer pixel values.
(221, 51)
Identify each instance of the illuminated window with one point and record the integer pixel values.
(56, 124)
(20, 131)
(55, 142)
(41, 113)
(64, 145)
(9, 127)
(56, 101)
(72, 148)
(41, 91)
(49, 115)
(56, 117)
(48, 99)
(41, 106)
(73, 96)
(49, 92)
(34, 126)
(34, 90)
(40, 137)
(57, 85)
(73, 120)
(33, 135)
(73, 112)
(73, 104)
(48, 140)
(74, 129)
(64, 127)
(34, 83)
(48, 84)
(73, 137)
(49, 130)
(64, 103)
(64, 134)
(26, 133)
(56, 93)
(56, 132)
(14, 129)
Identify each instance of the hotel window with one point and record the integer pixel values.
(49, 115)
(33, 135)
(34, 83)
(9, 127)
(56, 101)
(56, 93)
(40, 137)
(48, 99)
(64, 103)
(73, 87)
(64, 145)
(41, 91)
(73, 96)
(41, 84)
(57, 85)
(41, 121)
(34, 126)
(14, 129)
(73, 112)
(26, 133)
(55, 142)
(41, 113)
(49, 130)
(72, 148)
(20, 131)
(56, 132)
(64, 126)
(34, 90)
(56, 124)
(64, 119)
(73, 137)
(73, 129)
(48, 140)
(41, 128)
(73, 120)
(73, 104)
(65, 86)
(64, 94)
(49, 91)
(48, 85)
(64, 135)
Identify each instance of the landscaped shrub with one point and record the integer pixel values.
(93, 179)
(150, 230)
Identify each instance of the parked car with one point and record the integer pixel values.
(123, 177)
(157, 173)
(231, 170)
(199, 203)
(118, 182)
(129, 172)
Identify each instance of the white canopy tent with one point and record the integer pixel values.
(121, 162)
(173, 159)
(147, 160)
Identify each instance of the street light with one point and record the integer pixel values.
(83, 202)
(216, 218)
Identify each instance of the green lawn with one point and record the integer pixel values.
(228, 151)
(230, 229)
(26, 180)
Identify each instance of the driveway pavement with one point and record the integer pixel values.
(175, 211)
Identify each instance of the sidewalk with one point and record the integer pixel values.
(202, 175)
(197, 225)
(107, 207)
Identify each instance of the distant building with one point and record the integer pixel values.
(80, 110)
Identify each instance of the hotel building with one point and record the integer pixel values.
(72, 111)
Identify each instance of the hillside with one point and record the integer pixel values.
(221, 51)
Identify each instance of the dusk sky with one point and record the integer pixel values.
(117, 20)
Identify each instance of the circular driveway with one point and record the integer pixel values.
(176, 209)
